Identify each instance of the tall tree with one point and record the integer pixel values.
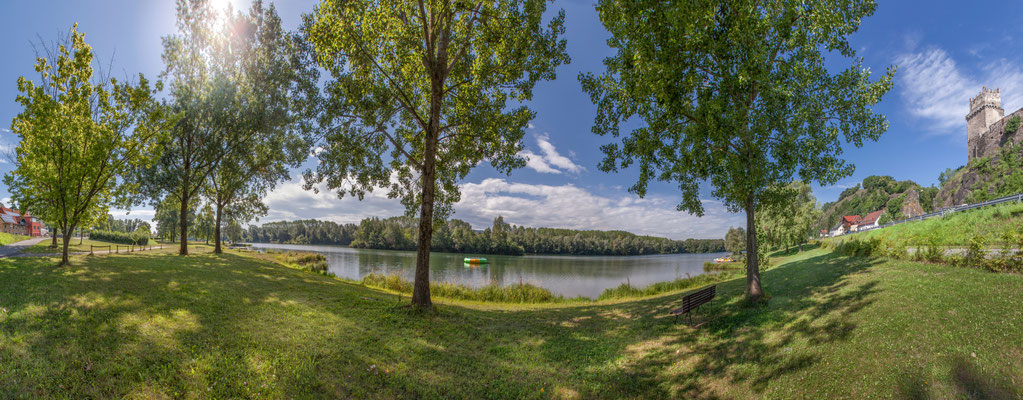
(735, 240)
(230, 77)
(420, 95)
(735, 93)
(268, 124)
(790, 222)
(80, 134)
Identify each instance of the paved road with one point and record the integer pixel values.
(15, 248)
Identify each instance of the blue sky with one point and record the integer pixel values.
(945, 51)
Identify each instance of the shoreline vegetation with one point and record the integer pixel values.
(456, 236)
(520, 293)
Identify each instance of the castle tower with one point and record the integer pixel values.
(985, 109)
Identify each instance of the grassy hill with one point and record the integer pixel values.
(8, 238)
(157, 325)
(994, 226)
(899, 199)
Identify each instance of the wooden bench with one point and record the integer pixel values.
(693, 300)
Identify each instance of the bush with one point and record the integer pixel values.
(140, 237)
(312, 262)
(1013, 124)
(518, 293)
(626, 290)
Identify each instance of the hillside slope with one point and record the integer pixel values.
(984, 178)
(899, 199)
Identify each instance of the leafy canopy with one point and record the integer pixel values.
(736, 93)
(405, 70)
(79, 136)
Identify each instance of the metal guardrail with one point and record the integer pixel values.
(943, 212)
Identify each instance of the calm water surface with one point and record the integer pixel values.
(570, 276)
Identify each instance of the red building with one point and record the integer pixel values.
(12, 221)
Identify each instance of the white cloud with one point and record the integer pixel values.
(551, 162)
(936, 89)
(568, 206)
(289, 201)
(556, 206)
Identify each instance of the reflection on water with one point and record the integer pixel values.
(570, 276)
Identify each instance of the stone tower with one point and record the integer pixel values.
(985, 109)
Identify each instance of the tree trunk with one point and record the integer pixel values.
(216, 232)
(54, 234)
(421, 288)
(753, 289)
(67, 242)
(81, 236)
(183, 220)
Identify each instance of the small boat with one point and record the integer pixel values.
(475, 260)
(723, 259)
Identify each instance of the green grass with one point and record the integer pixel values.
(157, 325)
(8, 238)
(954, 230)
(44, 247)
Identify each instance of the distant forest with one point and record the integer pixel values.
(456, 236)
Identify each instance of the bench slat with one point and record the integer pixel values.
(696, 299)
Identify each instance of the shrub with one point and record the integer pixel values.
(312, 262)
(140, 237)
(518, 293)
(1013, 124)
(626, 290)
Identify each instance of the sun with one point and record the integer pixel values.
(223, 5)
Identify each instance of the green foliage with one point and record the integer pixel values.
(743, 100)
(422, 93)
(947, 174)
(306, 261)
(456, 236)
(80, 136)
(894, 208)
(309, 231)
(1000, 176)
(877, 195)
(791, 222)
(140, 237)
(735, 240)
(516, 293)
(241, 89)
(121, 225)
(927, 196)
(8, 238)
(848, 192)
(626, 291)
(1012, 125)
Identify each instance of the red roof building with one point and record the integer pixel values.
(12, 221)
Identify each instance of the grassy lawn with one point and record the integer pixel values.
(156, 325)
(44, 246)
(8, 238)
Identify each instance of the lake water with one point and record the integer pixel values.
(569, 276)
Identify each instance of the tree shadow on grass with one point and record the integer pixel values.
(735, 344)
(229, 323)
(152, 325)
(966, 379)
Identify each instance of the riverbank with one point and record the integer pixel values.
(564, 276)
(158, 325)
